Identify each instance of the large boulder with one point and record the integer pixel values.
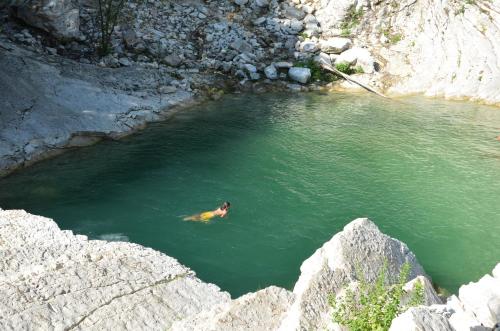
(360, 246)
(483, 299)
(358, 56)
(271, 72)
(420, 318)
(301, 75)
(60, 18)
(51, 279)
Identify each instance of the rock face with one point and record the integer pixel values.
(61, 18)
(49, 106)
(262, 310)
(333, 266)
(52, 279)
(447, 49)
(420, 318)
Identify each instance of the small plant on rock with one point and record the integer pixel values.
(374, 306)
(351, 20)
(359, 70)
(344, 67)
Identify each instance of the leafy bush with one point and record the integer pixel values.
(344, 67)
(375, 305)
(317, 72)
(359, 70)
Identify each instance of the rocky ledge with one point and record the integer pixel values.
(53, 279)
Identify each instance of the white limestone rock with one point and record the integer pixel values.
(482, 299)
(301, 75)
(52, 279)
(262, 310)
(430, 295)
(420, 319)
(359, 57)
(308, 46)
(271, 72)
(335, 45)
(334, 265)
(447, 49)
(323, 58)
(477, 308)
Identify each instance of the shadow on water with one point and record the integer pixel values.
(190, 131)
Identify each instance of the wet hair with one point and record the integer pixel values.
(225, 205)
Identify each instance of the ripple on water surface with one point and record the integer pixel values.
(296, 170)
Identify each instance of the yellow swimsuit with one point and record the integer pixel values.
(205, 216)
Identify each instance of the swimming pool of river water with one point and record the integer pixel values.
(296, 169)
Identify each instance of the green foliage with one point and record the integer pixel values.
(394, 38)
(317, 73)
(375, 305)
(303, 34)
(345, 68)
(108, 12)
(417, 297)
(351, 20)
(359, 70)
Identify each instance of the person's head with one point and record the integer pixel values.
(225, 205)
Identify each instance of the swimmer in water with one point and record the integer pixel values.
(206, 216)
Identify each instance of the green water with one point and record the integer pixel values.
(296, 169)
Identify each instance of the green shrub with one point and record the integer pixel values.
(345, 68)
(375, 305)
(359, 70)
(317, 72)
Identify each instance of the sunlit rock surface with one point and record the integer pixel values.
(52, 279)
(48, 104)
(262, 310)
(477, 308)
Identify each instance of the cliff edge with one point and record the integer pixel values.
(53, 279)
